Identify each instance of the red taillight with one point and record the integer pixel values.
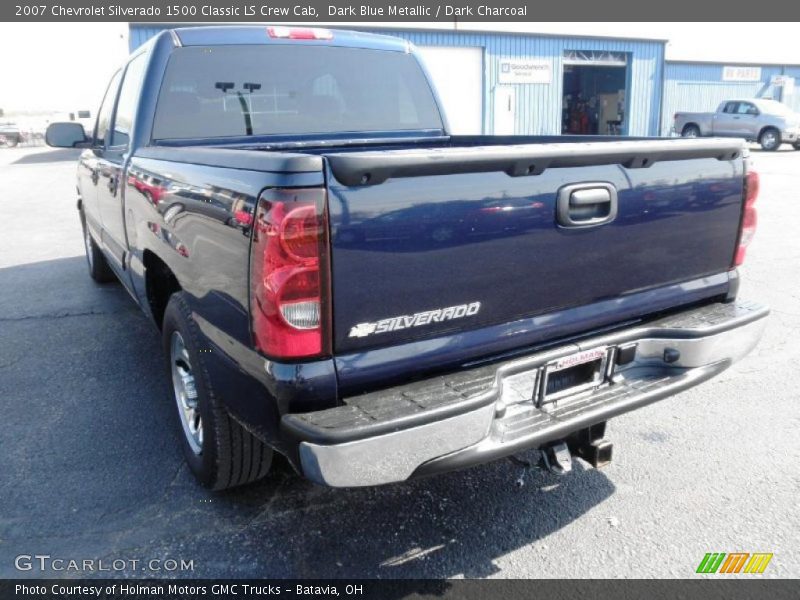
(289, 274)
(749, 216)
(300, 33)
(751, 187)
(299, 233)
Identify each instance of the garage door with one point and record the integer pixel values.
(458, 76)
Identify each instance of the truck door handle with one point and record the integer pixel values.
(586, 205)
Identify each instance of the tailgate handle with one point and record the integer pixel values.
(586, 205)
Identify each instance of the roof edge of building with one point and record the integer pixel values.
(732, 63)
(348, 26)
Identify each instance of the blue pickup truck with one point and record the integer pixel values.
(338, 279)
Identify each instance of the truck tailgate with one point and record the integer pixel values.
(455, 248)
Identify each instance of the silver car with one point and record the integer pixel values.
(10, 135)
(767, 122)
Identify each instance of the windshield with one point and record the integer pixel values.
(224, 91)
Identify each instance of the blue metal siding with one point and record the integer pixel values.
(538, 106)
(139, 34)
(694, 87)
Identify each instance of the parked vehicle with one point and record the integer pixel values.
(338, 279)
(768, 122)
(10, 135)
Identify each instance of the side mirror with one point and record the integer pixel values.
(66, 135)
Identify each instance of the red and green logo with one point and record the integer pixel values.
(735, 562)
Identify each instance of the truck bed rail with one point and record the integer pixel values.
(374, 167)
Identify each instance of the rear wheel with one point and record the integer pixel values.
(98, 267)
(770, 139)
(691, 131)
(219, 451)
(796, 146)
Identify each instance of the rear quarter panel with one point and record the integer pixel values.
(703, 120)
(186, 215)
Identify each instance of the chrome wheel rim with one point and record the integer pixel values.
(690, 133)
(183, 384)
(87, 240)
(769, 140)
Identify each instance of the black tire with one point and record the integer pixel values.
(691, 131)
(770, 139)
(796, 146)
(229, 455)
(98, 267)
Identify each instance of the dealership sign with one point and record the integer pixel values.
(741, 73)
(525, 71)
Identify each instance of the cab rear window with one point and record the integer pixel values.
(227, 91)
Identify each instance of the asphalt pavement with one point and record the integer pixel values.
(90, 467)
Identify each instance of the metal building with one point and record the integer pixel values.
(699, 87)
(500, 83)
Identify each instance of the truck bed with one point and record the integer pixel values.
(425, 225)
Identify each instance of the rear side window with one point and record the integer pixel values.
(106, 109)
(128, 98)
(226, 91)
(745, 108)
(731, 107)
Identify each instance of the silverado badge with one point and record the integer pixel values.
(427, 317)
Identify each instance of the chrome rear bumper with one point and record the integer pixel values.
(485, 413)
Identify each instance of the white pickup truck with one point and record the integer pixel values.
(768, 122)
